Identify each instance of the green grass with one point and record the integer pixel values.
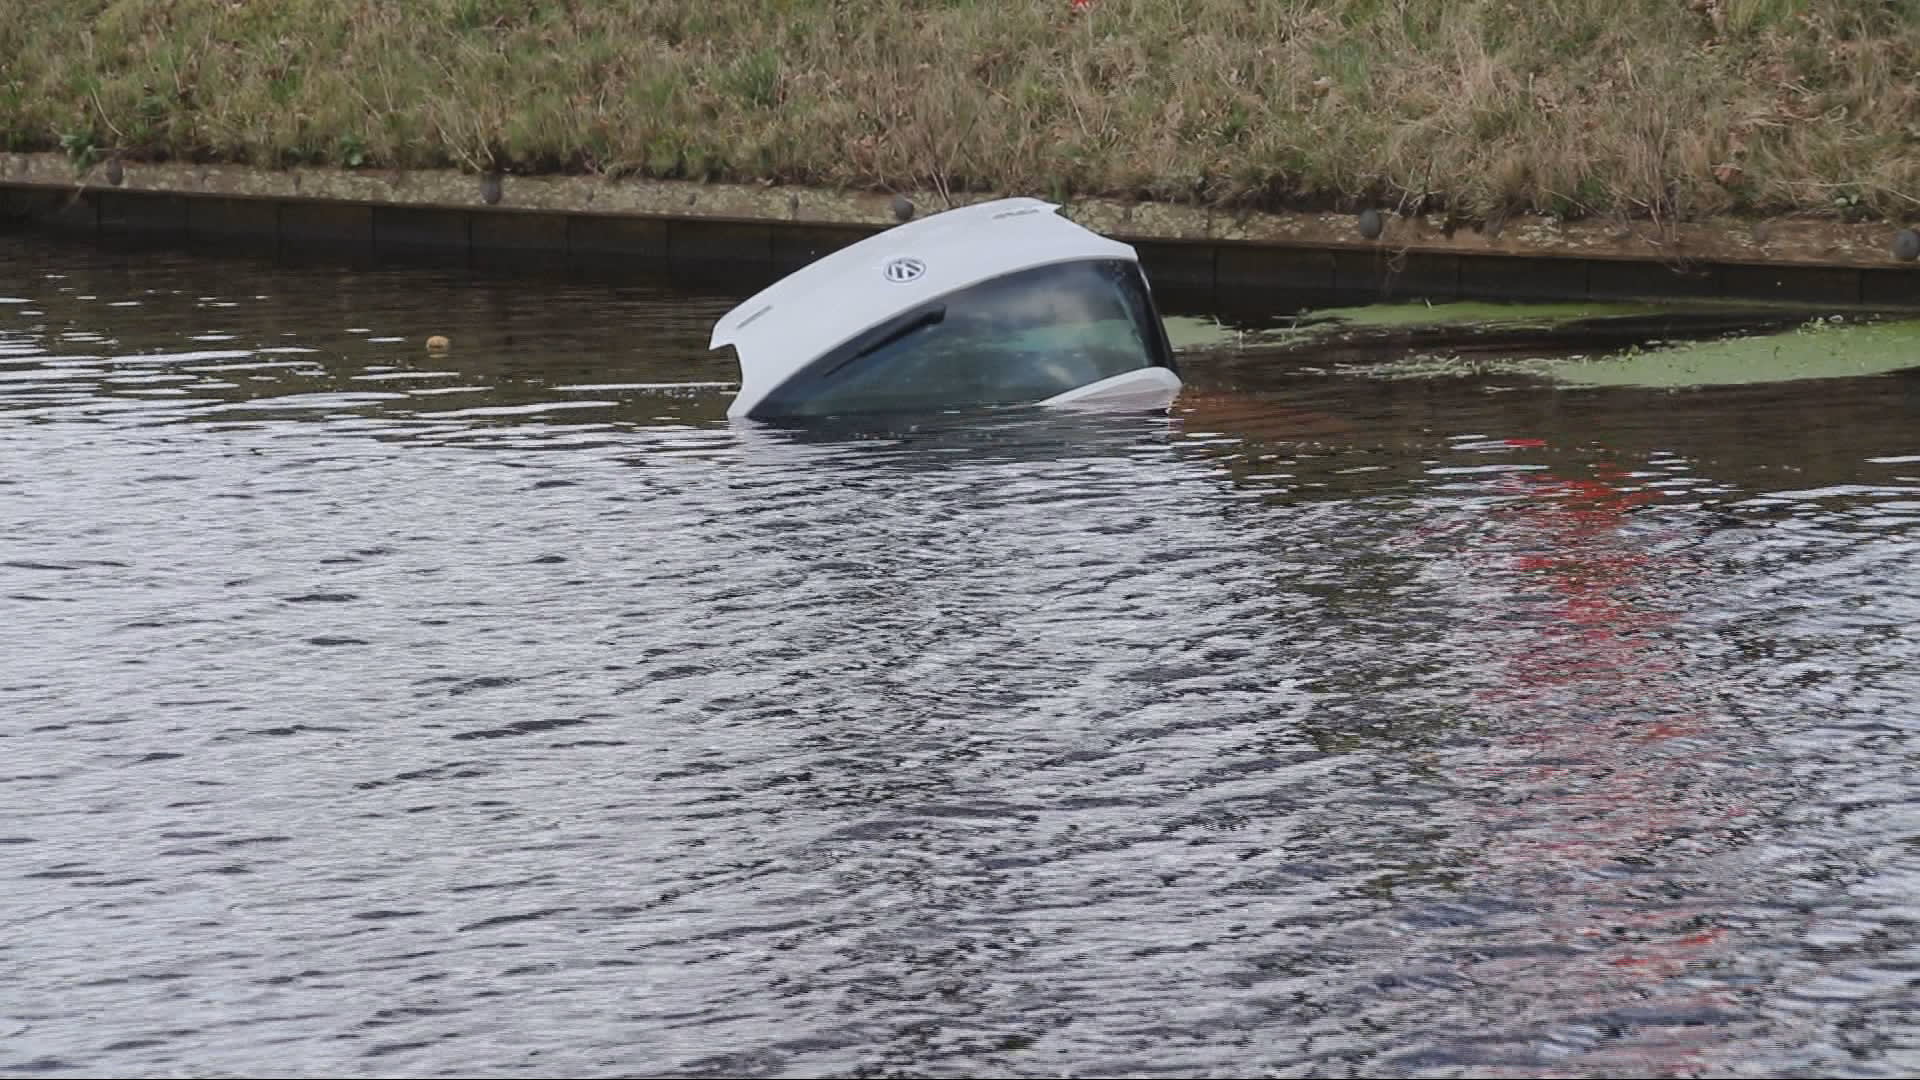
(1664, 109)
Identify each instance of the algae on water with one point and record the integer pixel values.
(1820, 349)
(1379, 321)
(1484, 314)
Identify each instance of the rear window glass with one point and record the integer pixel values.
(1015, 339)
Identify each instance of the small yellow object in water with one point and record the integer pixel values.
(438, 343)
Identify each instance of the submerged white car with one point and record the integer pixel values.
(1001, 303)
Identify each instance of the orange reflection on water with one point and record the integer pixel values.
(1599, 773)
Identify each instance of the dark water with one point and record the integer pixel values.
(370, 713)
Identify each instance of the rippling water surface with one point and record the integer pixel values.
(371, 712)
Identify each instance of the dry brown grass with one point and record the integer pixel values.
(1651, 108)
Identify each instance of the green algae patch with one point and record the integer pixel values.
(1195, 335)
(1830, 348)
(1467, 337)
(1188, 334)
(1489, 315)
(1818, 350)
(1374, 321)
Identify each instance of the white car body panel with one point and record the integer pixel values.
(1145, 389)
(784, 327)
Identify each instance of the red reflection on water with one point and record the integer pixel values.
(1257, 419)
(1602, 748)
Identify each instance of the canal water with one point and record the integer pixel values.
(1405, 704)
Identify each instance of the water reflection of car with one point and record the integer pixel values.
(1001, 303)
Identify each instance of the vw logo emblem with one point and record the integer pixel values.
(903, 269)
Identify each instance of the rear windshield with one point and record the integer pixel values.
(1015, 339)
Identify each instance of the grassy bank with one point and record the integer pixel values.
(1650, 108)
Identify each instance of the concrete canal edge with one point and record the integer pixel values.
(366, 216)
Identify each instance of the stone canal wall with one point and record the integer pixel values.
(516, 221)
